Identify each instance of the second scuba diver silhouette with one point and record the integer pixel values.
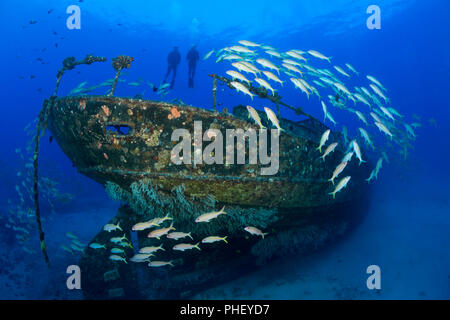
(192, 57)
(174, 60)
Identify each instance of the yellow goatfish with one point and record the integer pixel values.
(206, 217)
(263, 83)
(273, 77)
(186, 246)
(255, 231)
(236, 75)
(112, 227)
(212, 239)
(160, 263)
(160, 232)
(384, 129)
(179, 235)
(266, 63)
(340, 186)
(254, 114)
(318, 55)
(151, 249)
(143, 225)
(338, 171)
(240, 87)
(141, 257)
(115, 257)
(328, 150)
(273, 118)
(323, 139)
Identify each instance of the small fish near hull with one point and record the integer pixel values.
(80, 126)
(294, 203)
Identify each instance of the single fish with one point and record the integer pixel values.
(348, 157)
(118, 239)
(151, 249)
(254, 114)
(112, 227)
(324, 108)
(179, 235)
(240, 87)
(251, 66)
(207, 217)
(378, 92)
(255, 231)
(249, 43)
(243, 67)
(338, 171)
(241, 49)
(236, 75)
(357, 151)
(267, 64)
(341, 71)
(362, 99)
(366, 137)
(292, 68)
(323, 139)
(208, 55)
(140, 259)
(329, 149)
(330, 117)
(318, 55)
(125, 244)
(387, 113)
(156, 264)
(376, 82)
(160, 220)
(158, 233)
(212, 239)
(342, 184)
(300, 85)
(115, 257)
(410, 130)
(350, 67)
(95, 245)
(384, 129)
(273, 118)
(232, 57)
(143, 225)
(345, 134)
(71, 235)
(263, 83)
(375, 117)
(292, 62)
(273, 53)
(361, 117)
(296, 55)
(341, 87)
(186, 246)
(117, 251)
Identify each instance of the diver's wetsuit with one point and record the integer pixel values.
(192, 56)
(174, 60)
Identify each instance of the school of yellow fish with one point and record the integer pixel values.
(146, 254)
(365, 102)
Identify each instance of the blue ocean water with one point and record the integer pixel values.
(405, 231)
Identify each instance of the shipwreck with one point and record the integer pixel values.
(125, 144)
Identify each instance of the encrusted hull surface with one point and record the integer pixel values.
(80, 125)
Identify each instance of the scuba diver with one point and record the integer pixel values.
(174, 60)
(192, 56)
